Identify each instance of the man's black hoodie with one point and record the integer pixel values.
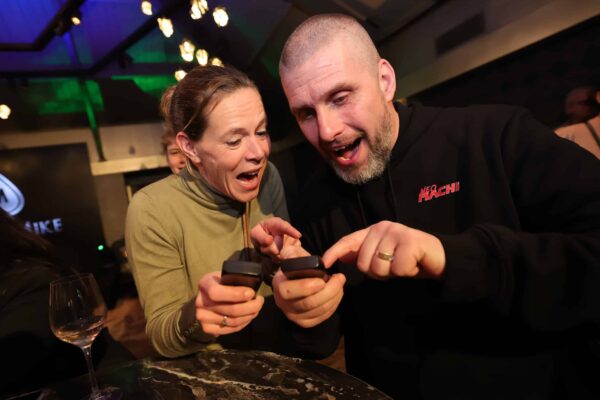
(517, 210)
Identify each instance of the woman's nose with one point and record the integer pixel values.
(255, 148)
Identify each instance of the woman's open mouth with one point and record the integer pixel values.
(249, 180)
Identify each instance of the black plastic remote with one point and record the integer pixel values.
(303, 267)
(241, 273)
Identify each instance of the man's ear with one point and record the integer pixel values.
(387, 79)
(187, 147)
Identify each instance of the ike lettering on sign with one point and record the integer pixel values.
(45, 227)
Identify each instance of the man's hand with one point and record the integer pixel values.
(388, 249)
(310, 301)
(221, 309)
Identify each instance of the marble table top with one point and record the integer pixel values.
(221, 374)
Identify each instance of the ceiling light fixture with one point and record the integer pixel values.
(216, 61)
(198, 8)
(202, 57)
(180, 74)
(186, 48)
(220, 16)
(146, 7)
(166, 26)
(4, 111)
(76, 18)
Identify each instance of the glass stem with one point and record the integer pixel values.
(92, 372)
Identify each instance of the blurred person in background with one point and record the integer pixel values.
(586, 133)
(581, 104)
(181, 229)
(175, 157)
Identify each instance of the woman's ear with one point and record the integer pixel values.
(187, 147)
(387, 79)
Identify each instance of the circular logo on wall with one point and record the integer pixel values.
(11, 198)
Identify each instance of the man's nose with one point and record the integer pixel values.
(329, 123)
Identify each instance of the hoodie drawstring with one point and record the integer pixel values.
(361, 207)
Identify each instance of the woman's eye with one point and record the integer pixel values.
(262, 133)
(234, 142)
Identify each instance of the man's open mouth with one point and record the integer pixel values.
(346, 152)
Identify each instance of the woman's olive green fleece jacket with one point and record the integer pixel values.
(177, 230)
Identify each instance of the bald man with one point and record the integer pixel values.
(470, 257)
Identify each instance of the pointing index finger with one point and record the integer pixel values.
(345, 249)
(278, 226)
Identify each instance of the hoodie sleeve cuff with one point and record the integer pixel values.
(470, 271)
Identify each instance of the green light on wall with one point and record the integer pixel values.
(63, 95)
(94, 91)
(153, 49)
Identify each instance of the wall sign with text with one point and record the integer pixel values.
(51, 191)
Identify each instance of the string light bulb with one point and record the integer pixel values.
(180, 74)
(166, 26)
(216, 61)
(220, 16)
(186, 48)
(202, 57)
(146, 7)
(76, 18)
(4, 111)
(198, 8)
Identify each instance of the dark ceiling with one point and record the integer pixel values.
(116, 62)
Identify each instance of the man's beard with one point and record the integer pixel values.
(380, 149)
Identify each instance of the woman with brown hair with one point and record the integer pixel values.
(180, 230)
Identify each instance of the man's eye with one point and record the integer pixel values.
(262, 133)
(233, 142)
(305, 115)
(340, 100)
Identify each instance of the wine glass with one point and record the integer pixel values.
(77, 315)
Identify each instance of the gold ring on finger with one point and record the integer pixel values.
(382, 255)
(224, 321)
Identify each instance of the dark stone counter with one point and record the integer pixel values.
(225, 374)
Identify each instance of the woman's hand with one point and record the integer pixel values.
(278, 239)
(221, 309)
(291, 248)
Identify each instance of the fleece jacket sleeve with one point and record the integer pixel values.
(159, 278)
